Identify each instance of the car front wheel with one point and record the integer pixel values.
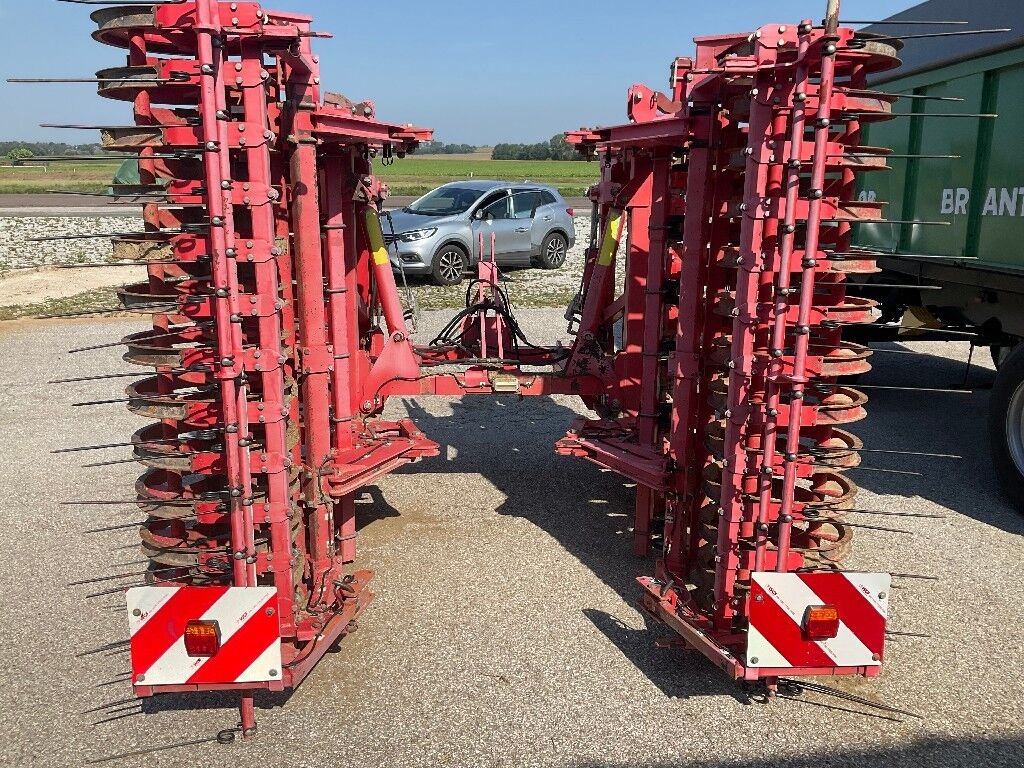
(554, 250)
(449, 265)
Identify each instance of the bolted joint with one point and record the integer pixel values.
(776, 353)
(823, 122)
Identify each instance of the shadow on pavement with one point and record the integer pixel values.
(586, 509)
(952, 423)
(926, 753)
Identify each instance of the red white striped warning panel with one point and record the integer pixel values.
(779, 603)
(247, 619)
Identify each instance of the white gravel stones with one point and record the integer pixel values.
(17, 251)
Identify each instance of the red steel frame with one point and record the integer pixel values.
(710, 349)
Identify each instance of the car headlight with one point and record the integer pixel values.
(417, 234)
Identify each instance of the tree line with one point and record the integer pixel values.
(440, 148)
(556, 148)
(17, 149)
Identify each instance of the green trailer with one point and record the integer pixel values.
(960, 173)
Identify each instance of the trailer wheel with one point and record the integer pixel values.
(1006, 427)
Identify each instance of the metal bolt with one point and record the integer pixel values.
(759, 599)
(140, 678)
(753, 659)
(881, 595)
(138, 612)
(270, 611)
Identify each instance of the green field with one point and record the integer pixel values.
(67, 177)
(417, 175)
(411, 176)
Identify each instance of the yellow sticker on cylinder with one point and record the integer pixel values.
(612, 236)
(376, 236)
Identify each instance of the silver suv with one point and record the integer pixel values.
(438, 235)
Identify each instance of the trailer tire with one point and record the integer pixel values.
(1006, 427)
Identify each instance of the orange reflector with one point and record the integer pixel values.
(821, 622)
(202, 638)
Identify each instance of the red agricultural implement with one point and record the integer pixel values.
(707, 343)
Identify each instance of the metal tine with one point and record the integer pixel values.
(135, 460)
(154, 262)
(110, 158)
(122, 2)
(885, 450)
(101, 378)
(958, 33)
(159, 194)
(835, 708)
(158, 503)
(844, 21)
(101, 402)
(897, 389)
(986, 115)
(111, 705)
(136, 524)
(106, 592)
(108, 647)
(877, 469)
(873, 350)
(892, 327)
(894, 633)
(932, 256)
(136, 308)
(131, 713)
(183, 437)
(36, 80)
(173, 372)
(224, 737)
(152, 337)
(832, 256)
(96, 235)
(124, 576)
(898, 157)
(818, 687)
(867, 527)
(887, 221)
(881, 285)
(920, 96)
(888, 514)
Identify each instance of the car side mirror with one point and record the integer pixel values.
(478, 214)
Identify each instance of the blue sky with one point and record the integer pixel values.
(476, 72)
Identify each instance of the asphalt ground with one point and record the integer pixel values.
(505, 632)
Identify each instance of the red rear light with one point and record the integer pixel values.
(570, 211)
(202, 638)
(821, 622)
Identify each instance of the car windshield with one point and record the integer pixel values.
(445, 201)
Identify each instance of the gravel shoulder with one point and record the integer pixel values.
(505, 631)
